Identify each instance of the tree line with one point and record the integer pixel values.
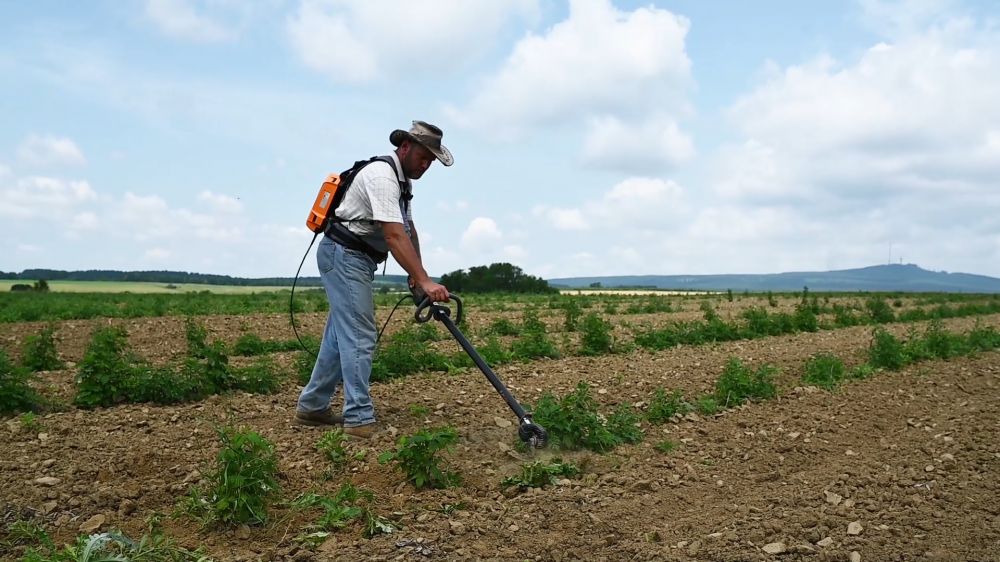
(496, 277)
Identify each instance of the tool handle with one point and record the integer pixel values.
(426, 309)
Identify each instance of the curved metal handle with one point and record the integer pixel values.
(426, 309)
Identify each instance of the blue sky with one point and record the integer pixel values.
(591, 137)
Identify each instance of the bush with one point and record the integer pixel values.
(108, 369)
(503, 327)
(943, 344)
(417, 457)
(824, 370)
(16, 395)
(879, 310)
(242, 482)
(983, 339)
(40, 352)
(885, 351)
(405, 354)
(534, 341)
(573, 422)
(738, 383)
(596, 339)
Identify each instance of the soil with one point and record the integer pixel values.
(902, 466)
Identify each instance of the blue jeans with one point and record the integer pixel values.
(345, 354)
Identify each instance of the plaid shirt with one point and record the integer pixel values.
(375, 196)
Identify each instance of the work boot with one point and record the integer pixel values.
(323, 417)
(365, 431)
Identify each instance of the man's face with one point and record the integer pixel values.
(415, 159)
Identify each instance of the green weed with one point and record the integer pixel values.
(331, 446)
(738, 383)
(596, 339)
(886, 351)
(349, 504)
(533, 341)
(417, 456)
(662, 406)
(242, 482)
(573, 422)
(623, 423)
(666, 446)
(16, 394)
(40, 352)
(824, 370)
(539, 474)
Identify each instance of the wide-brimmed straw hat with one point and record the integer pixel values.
(426, 135)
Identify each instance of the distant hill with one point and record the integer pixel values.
(910, 278)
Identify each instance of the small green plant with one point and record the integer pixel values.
(405, 353)
(942, 344)
(983, 338)
(417, 456)
(707, 405)
(419, 410)
(29, 421)
(738, 383)
(573, 422)
(539, 474)
(824, 370)
(886, 351)
(153, 546)
(503, 327)
(879, 311)
(107, 369)
(302, 367)
(623, 423)
(493, 352)
(40, 352)
(349, 504)
(249, 344)
(331, 446)
(242, 482)
(666, 446)
(862, 371)
(16, 394)
(257, 378)
(533, 341)
(26, 532)
(572, 315)
(596, 339)
(662, 406)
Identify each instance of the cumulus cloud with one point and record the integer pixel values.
(358, 41)
(896, 18)
(633, 204)
(599, 61)
(40, 197)
(180, 19)
(481, 234)
(42, 150)
(649, 146)
(221, 203)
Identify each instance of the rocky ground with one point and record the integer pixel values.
(902, 466)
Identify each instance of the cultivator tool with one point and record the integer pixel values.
(528, 431)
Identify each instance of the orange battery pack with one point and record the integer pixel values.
(316, 221)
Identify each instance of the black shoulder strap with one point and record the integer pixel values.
(347, 178)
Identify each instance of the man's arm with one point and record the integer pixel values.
(415, 240)
(407, 255)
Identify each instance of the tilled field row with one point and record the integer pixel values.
(912, 457)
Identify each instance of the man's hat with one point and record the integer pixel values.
(426, 135)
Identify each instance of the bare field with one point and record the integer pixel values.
(902, 466)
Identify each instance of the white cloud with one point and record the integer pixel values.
(636, 203)
(649, 146)
(481, 234)
(514, 252)
(221, 203)
(41, 150)
(47, 198)
(180, 19)
(915, 119)
(359, 41)
(599, 61)
(897, 18)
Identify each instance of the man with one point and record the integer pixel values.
(377, 221)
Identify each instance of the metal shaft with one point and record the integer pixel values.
(443, 317)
